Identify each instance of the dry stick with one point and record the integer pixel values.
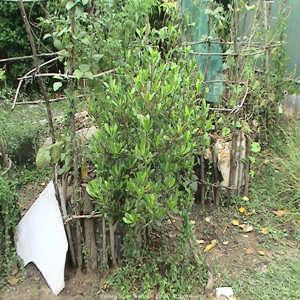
(37, 67)
(104, 254)
(29, 72)
(112, 243)
(90, 216)
(180, 19)
(8, 169)
(89, 232)
(27, 56)
(233, 160)
(62, 75)
(50, 100)
(75, 149)
(4, 155)
(216, 174)
(239, 165)
(202, 179)
(208, 58)
(247, 166)
(62, 188)
(267, 51)
(202, 166)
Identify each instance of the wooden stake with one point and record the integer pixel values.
(37, 67)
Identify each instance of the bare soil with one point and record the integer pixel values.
(235, 252)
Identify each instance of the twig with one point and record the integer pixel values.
(43, 101)
(8, 167)
(62, 191)
(27, 56)
(29, 72)
(74, 217)
(66, 76)
(228, 54)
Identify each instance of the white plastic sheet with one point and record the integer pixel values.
(41, 239)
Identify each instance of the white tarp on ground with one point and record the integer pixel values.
(41, 239)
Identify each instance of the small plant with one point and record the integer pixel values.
(9, 217)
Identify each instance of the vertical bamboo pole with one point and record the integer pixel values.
(267, 11)
(216, 174)
(37, 67)
(75, 146)
(112, 243)
(202, 179)
(5, 158)
(104, 242)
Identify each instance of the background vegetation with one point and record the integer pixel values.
(147, 97)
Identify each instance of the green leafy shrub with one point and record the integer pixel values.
(9, 217)
(151, 124)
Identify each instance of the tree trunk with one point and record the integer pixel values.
(89, 232)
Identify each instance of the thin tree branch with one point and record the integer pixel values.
(29, 72)
(26, 56)
(43, 101)
(66, 76)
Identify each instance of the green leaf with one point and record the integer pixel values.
(70, 5)
(56, 85)
(127, 221)
(225, 131)
(47, 35)
(63, 53)
(250, 7)
(78, 73)
(89, 75)
(86, 41)
(57, 77)
(208, 11)
(255, 147)
(84, 67)
(97, 56)
(42, 158)
(85, 2)
(79, 11)
(57, 44)
(55, 151)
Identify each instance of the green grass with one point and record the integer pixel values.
(276, 186)
(280, 281)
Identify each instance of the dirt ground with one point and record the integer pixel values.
(233, 251)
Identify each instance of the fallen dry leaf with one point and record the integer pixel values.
(264, 230)
(214, 242)
(200, 242)
(250, 251)
(245, 235)
(12, 281)
(245, 198)
(242, 210)
(261, 253)
(208, 247)
(208, 219)
(84, 171)
(247, 213)
(281, 212)
(193, 222)
(248, 228)
(298, 222)
(235, 222)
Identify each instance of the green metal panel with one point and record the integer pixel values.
(197, 30)
(293, 36)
